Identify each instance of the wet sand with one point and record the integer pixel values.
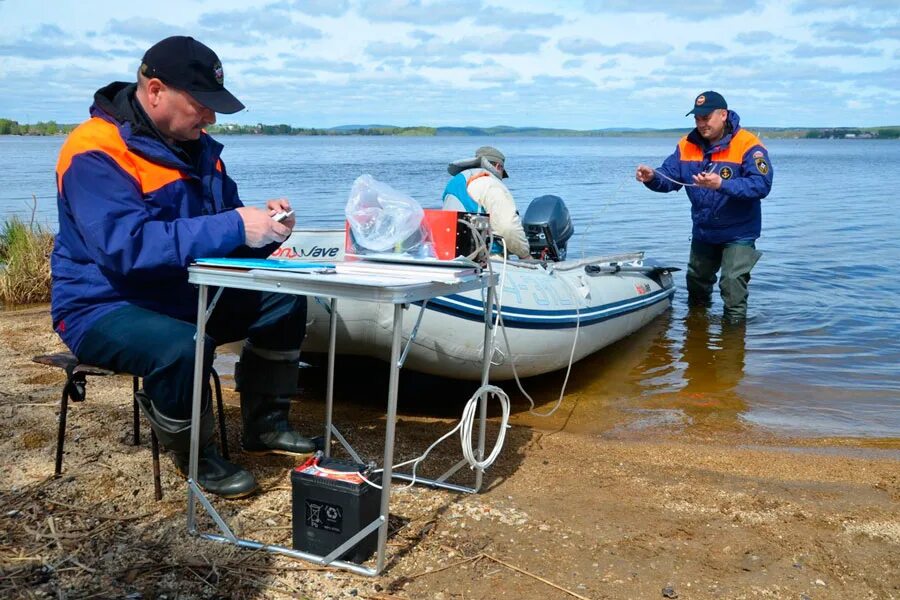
(696, 504)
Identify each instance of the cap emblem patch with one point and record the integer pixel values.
(219, 73)
(701, 99)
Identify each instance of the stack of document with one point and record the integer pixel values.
(266, 263)
(413, 272)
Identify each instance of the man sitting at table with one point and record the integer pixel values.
(142, 193)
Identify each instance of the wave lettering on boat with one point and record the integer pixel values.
(314, 252)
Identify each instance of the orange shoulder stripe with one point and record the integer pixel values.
(474, 177)
(97, 135)
(740, 144)
(688, 150)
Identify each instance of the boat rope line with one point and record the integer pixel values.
(472, 309)
(565, 383)
(467, 421)
(603, 207)
(710, 169)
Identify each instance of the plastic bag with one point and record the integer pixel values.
(383, 219)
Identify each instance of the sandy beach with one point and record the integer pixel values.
(703, 512)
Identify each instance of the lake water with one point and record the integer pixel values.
(821, 349)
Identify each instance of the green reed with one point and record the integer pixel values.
(25, 256)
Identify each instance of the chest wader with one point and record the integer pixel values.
(214, 474)
(736, 260)
(267, 379)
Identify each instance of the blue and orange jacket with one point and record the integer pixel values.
(731, 213)
(134, 212)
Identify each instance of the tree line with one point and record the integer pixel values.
(885, 133)
(284, 129)
(10, 127)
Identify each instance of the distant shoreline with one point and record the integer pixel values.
(892, 132)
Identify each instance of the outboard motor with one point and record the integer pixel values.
(548, 228)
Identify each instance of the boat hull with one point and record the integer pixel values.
(543, 308)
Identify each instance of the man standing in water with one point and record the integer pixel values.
(142, 193)
(726, 171)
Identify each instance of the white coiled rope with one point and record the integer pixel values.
(465, 426)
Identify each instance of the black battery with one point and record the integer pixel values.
(331, 503)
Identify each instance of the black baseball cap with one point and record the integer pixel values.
(186, 64)
(707, 102)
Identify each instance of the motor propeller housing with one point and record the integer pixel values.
(548, 227)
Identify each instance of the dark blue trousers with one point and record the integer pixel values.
(160, 349)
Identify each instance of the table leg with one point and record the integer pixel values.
(195, 407)
(388, 465)
(329, 388)
(485, 379)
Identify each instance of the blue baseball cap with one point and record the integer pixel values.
(707, 102)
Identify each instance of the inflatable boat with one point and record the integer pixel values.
(553, 310)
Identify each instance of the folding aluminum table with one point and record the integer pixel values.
(396, 291)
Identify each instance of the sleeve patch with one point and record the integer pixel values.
(762, 166)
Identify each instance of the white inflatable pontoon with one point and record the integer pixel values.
(543, 306)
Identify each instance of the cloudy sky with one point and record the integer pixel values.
(582, 64)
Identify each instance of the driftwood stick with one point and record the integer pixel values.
(450, 566)
(541, 579)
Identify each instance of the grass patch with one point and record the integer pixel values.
(25, 251)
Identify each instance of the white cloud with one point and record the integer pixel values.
(511, 19)
(516, 43)
(820, 5)
(704, 47)
(242, 27)
(711, 9)
(463, 62)
(856, 33)
(419, 12)
(580, 46)
(144, 30)
(328, 8)
(808, 51)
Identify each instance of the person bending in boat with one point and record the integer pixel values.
(142, 192)
(477, 186)
(726, 172)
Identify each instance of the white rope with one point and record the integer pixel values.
(603, 207)
(512, 361)
(710, 169)
(467, 421)
(465, 428)
(562, 391)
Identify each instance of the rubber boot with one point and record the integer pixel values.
(737, 262)
(266, 380)
(267, 429)
(701, 273)
(214, 474)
